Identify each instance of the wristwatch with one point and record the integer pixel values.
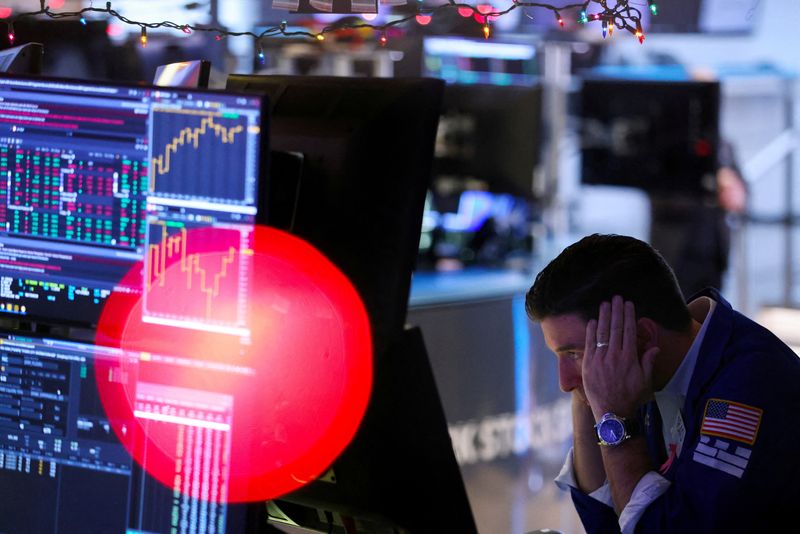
(612, 429)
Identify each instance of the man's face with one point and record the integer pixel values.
(565, 335)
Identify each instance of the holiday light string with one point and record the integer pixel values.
(622, 16)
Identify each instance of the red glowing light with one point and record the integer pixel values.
(5, 12)
(287, 398)
(423, 20)
(114, 30)
(702, 148)
(484, 8)
(56, 4)
(465, 12)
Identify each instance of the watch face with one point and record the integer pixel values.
(611, 431)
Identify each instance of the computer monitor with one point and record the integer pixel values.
(77, 50)
(187, 74)
(367, 148)
(659, 136)
(491, 134)
(64, 468)
(22, 59)
(280, 195)
(96, 170)
(106, 183)
(474, 61)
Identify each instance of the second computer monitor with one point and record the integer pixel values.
(22, 59)
(367, 146)
(659, 136)
(183, 74)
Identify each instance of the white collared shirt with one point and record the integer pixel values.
(670, 401)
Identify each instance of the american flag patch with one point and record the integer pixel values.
(731, 420)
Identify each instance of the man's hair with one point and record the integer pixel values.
(598, 267)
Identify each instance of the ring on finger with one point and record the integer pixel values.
(601, 344)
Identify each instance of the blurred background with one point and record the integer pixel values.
(688, 140)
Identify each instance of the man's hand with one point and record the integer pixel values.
(615, 378)
(731, 191)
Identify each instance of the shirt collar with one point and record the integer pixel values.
(701, 309)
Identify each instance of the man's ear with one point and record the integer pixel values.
(646, 334)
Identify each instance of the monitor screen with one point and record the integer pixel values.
(94, 176)
(652, 135)
(65, 470)
(492, 134)
(187, 74)
(471, 61)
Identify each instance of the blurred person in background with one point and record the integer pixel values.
(694, 233)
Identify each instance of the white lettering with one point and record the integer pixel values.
(501, 435)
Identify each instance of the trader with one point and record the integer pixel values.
(684, 416)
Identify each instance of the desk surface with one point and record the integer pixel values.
(434, 288)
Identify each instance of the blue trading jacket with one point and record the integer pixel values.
(739, 468)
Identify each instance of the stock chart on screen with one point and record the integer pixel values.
(143, 196)
(193, 150)
(95, 178)
(198, 274)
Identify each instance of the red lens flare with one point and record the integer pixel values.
(247, 362)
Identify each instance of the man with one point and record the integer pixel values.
(685, 416)
(692, 230)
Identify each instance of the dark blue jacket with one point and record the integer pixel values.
(748, 487)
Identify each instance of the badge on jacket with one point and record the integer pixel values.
(724, 423)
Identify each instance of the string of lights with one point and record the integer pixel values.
(620, 15)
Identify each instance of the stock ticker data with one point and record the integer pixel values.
(112, 193)
(86, 170)
(199, 242)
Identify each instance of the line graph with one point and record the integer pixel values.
(197, 274)
(199, 154)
